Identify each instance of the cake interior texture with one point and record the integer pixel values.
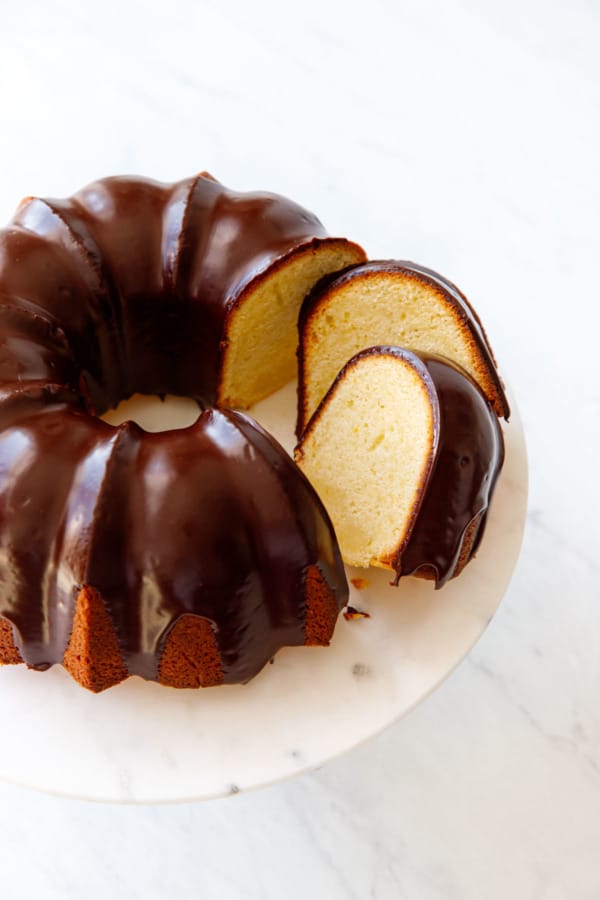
(378, 307)
(262, 339)
(368, 452)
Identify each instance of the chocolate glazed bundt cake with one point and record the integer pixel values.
(187, 557)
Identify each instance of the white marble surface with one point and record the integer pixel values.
(464, 135)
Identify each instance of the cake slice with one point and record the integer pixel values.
(404, 452)
(389, 302)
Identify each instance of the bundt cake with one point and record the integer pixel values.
(190, 556)
(420, 450)
(394, 303)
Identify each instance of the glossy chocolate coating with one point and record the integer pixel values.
(125, 288)
(469, 457)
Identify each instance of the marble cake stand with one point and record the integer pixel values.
(141, 743)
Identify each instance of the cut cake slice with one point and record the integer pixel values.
(404, 452)
(389, 303)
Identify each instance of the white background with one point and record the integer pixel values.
(464, 135)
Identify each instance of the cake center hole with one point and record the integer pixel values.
(154, 414)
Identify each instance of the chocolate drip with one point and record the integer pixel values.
(125, 288)
(468, 461)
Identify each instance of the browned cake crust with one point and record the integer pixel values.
(469, 544)
(190, 658)
(321, 609)
(9, 654)
(93, 657)
(468, 548)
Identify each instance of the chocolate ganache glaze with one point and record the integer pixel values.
(125, 288)
(468, 459)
